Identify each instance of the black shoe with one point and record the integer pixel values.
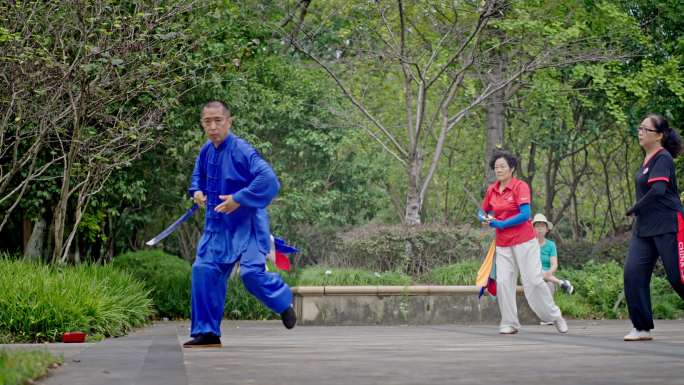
(289, 318)
(204, 341)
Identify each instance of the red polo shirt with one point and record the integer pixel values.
(506, 204)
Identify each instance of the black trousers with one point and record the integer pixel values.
(642, 256)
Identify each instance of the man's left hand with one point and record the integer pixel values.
(228, 205)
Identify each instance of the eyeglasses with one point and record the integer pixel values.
(644, 129)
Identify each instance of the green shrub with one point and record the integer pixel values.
(39, 303)
(599, 294)
(166, 276)
(318, 245)
(665, 301)
(384, 248)
(575, 254)
(169, 280)
(16, 367)
(240, 305)
(462, 273)
(324, 276)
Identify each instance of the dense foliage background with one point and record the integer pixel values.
(377, 117)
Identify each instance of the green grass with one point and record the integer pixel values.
(462, 273)
(18, 366)
(40, 303)
(322, 276)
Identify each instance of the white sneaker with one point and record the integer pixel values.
(638, 335)
(567, 286)
(547, 323)
(508, 330)
(561, 325)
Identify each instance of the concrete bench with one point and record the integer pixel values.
(397, 305)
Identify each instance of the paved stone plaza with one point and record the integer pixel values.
(265, 353)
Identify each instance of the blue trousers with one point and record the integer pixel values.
(641, 258)
(209, 285)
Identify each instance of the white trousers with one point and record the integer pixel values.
(523, 257)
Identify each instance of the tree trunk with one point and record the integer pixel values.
(496, 124)
(77, 254)
(450, 162)
(60, 211)
(81, 206)
(26, 229)
(34, 247)
(414, 204)
(575, 216)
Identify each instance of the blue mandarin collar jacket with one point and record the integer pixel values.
(236, 168)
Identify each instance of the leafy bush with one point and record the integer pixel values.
(599, 294)
(597, 287)
(384, 248)
(240, 305)
(39, 303)
(665, 301)
(167, 277)
(169, 280)
(16, 367)
(318, 245)
(576, 254)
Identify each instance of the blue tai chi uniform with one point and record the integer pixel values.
(234, 167)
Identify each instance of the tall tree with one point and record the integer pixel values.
(443, 55)
(89, 84)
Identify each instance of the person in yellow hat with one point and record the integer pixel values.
(549, 255)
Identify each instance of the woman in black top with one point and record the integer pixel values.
(659, 227)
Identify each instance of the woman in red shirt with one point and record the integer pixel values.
(507, 203)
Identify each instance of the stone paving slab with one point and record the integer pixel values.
(147, 356)
(266, 353)
(593, 353)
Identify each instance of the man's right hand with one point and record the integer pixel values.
(199, 198)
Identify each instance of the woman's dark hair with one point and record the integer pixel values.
(510, 159)
(671, 139)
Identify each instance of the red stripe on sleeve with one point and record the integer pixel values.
(680, 245)
(661, 178)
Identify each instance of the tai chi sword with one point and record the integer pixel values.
(481, 215)
(173, 226)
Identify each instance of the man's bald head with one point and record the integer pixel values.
(216, 104)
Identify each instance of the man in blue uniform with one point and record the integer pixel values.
(236, 185)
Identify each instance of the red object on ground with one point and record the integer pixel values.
(69, 337)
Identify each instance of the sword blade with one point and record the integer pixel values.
(172, 227)
(481, 215)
